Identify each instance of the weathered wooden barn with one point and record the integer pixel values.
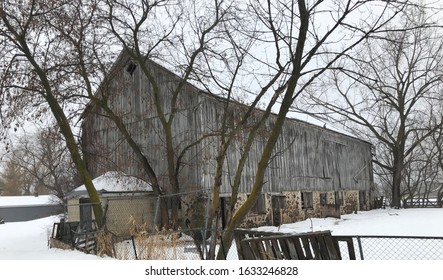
(315, 171)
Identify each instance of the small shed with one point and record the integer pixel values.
(26, 208)
(126, 201)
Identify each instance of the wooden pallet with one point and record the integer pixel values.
(86, 242)
(77, 237)
(318, 245)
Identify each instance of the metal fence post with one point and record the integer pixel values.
(133, 245)
(360, 247)
(204, 231)
(157, 206)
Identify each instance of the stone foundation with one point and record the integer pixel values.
(293, 211)
(275, 209)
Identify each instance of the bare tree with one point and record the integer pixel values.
(387, 88)
(185, 30)
(300, 55)
(44, 158)
(14, 180)
(420, 175)
(70, 56)
(438, 190)
(37, 74)
(57, 51)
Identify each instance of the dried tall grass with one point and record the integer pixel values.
(144, 245)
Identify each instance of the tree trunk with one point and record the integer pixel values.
(397, 179)
(275, 133)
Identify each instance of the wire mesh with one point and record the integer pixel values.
(394, 248)
(180, 245)
(133, 231)
(132, 234)
(165, 245)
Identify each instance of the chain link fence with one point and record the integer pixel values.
(166, 245)
(153, 246)
(181, 246)
(132, 234)
(393, 247)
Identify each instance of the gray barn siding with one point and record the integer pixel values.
(307, 157)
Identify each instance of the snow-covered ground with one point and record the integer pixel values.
(392, 222)
(24, 252)
(29, 240)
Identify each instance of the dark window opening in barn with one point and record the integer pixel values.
(306, 200)
(131, 68)
(278, 201)
(173, 200)
(259, 206)
(323, 198)
(338, 198)
(230, 119)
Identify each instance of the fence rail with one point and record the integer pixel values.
(421, 203)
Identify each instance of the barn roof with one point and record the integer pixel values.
(298, 116)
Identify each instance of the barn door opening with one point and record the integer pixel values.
(362, 200)
(278, 204)
(225, 210)
(85, 214)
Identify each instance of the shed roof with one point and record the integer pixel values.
(8, 201)
(115, 182)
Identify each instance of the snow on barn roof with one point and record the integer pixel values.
(28, 200)
(114, 181)
(310, 119)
